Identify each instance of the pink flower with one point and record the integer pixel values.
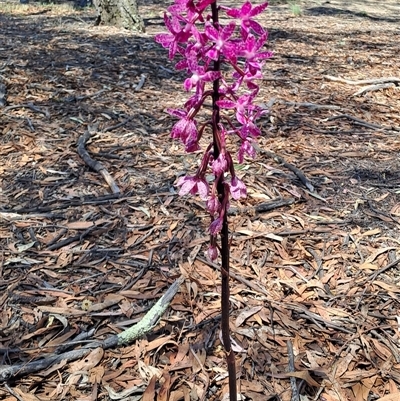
(248, 121)
(216, 226)
(193, 185)
(188, 6)
(241, 105)
(237, 188)
(245, 14)
(213, 205)
(246, 148)
(200, 40)
(212, 252)
(200, 74)
(171, 40)
(220, 165)
(222, 43)
(185, 129)
(251, 48)
(192, 145)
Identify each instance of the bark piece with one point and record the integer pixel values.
(371, 81)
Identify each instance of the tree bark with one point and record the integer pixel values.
(120, 13)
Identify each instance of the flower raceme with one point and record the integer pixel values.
(204, 45)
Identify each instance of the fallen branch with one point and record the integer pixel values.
(372, 81)
(148, 322)
(93, 164)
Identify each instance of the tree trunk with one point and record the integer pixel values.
(121, 13)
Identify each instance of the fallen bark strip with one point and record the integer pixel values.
(302, 104)
(148, 322)
(372, 88)
(371, 81)
(93, 164)
(11, 216)
(3, 95)
(293, 383)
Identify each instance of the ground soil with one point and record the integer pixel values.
(314, 259)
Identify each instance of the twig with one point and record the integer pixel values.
(300, 175)
(312, 105)
(371, 88)
(363, 81)
(293, 384)
(12, 392)
(95, 165)
(126, 337)
(28, 106)
(305, 313)
(141, 82)
(374, 275)
(262, 207)
(336, 132)
(121, 124)
(3, 95)
(87, 200)
(358, 121)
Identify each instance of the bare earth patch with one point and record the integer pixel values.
(315, 288)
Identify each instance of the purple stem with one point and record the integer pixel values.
(222, 194)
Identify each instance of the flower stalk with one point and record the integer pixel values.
(204, 44)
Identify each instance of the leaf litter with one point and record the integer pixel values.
(316, 268)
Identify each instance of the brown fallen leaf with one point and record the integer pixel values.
(90, 361)
(150, 392)
(343, 364)
(243, 316)
(163, 394)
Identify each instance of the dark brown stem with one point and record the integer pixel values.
(222, 194)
